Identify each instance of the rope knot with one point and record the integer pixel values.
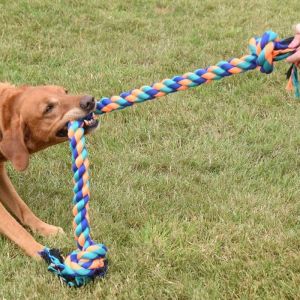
(80, 266)
(263, 49)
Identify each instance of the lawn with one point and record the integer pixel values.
(196, 194)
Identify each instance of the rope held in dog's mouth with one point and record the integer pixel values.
(89, 261)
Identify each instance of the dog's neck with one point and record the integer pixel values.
(5, 88)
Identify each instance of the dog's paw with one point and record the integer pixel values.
(49, 230)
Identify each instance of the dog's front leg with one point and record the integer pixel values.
(14, 231)
(12, 201)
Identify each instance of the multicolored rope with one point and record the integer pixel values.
(89, 260)
(264, 51)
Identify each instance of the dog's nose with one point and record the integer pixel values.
(87, 103)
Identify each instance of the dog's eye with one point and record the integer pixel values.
(66, 91)
(49, 108)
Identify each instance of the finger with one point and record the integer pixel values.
(294, 58)
(296, 41)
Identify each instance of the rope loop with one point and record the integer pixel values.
(88, 261)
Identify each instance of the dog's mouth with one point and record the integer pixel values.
(88, 127)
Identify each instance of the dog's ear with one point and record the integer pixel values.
(12, 144)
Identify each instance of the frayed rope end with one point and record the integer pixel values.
(56, 265)
(293, 80)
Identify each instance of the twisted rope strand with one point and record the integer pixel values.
(88, 261)
(263, 52)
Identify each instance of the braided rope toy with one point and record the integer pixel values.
(89, 261)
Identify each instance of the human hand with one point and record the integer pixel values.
(295, 58)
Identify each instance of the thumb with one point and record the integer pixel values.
(296, 41)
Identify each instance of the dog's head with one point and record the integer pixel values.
(33, 118)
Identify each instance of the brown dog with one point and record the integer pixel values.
(31, 119)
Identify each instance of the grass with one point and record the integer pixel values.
(195, 195)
